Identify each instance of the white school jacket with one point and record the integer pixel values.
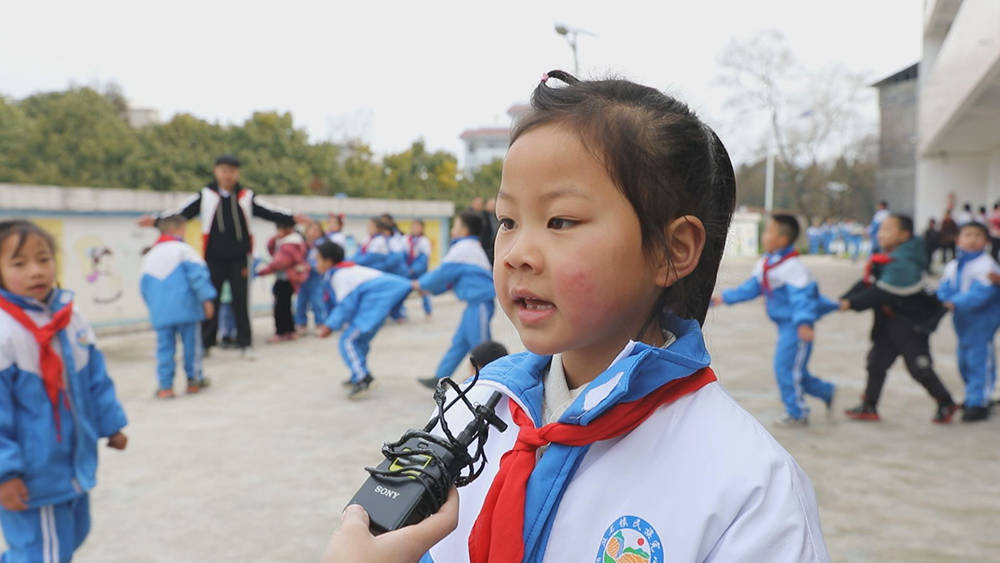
(699, 480)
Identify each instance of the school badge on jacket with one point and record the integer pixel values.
(630, 539)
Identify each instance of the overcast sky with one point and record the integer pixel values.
(395, 71)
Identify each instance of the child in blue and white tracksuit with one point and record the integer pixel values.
(467, 270)
(418, 256)
(310, 295)
(975, 303)
(374, 251)
(793, 302)
(49, 427)
(361, 298)
(396, 262)
(176, 286)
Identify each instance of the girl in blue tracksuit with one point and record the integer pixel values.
(975, 303)
(467, 270)
(177, 288)
(418, 256)
(361, 298)
(310, 296)
(56, 401)
(794, 304)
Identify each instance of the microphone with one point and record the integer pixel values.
(419, 469)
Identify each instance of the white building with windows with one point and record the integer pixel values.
(483, 145)
(958, 119)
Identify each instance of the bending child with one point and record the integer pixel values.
(362, 299)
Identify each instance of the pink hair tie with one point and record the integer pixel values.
(545, 77)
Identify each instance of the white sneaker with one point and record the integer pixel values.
(789, 422)
(248, 354)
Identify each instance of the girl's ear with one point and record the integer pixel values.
(685, 240)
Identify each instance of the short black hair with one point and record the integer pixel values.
(170, 222)
(228, 160)
(472, 221)
(331, 251)
(788, 225)
(884, 204)
(486, 353)
(285, 222)
(976, 225)
(905, 222)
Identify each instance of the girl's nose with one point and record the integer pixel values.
(519, 252)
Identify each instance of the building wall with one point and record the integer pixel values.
(958, 147)
(482, 151)
(100, 247)
(896, 176)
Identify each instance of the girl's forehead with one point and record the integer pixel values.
(21, 244)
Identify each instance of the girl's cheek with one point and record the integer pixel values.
(577, 291)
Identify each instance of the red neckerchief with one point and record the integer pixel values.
(768, 267)
(875, 259)
(498, 534)
(344, 264)
(411, 256)
(50, 362)
(166, 238)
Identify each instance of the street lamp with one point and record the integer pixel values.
(571, 34)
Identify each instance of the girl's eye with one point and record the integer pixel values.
(558, 223)
(506, 224)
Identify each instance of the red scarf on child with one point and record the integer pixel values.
(767, 267)
(51, 363)
(875, 259)
(498, 534)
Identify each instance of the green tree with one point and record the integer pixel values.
(484, 182)
(78, 137)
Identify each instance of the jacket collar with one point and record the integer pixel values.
(214, 186)
(638, 370)
(56, 300)
(779, 254)
(460, 239)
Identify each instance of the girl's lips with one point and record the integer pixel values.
(533, 311)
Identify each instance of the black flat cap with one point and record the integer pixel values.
(228, 159)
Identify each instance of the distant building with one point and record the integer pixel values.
(958, 91)
(141, 117)
(896, 178)
(486, 144)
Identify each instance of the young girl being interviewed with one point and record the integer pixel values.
(621, 446)
(56, 400)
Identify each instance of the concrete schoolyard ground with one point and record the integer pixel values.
(258, 467)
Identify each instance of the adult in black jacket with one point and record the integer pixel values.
(225, 207)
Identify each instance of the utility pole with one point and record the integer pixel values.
(572, 36)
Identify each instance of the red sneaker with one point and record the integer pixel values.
(165, 394)
(944, 413)
(196, 386)
(863, 412)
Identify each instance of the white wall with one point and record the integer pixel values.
(966, 176)
(743, 234)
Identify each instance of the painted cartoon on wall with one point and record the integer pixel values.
(97, 263)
